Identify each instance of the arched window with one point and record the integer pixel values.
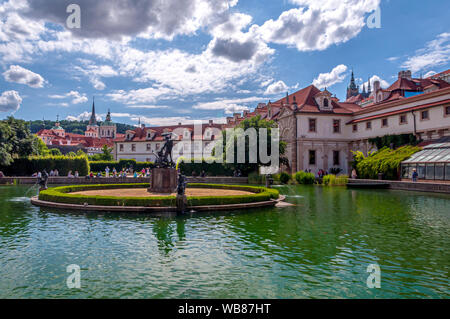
(325, 103)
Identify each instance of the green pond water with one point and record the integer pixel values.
(320, 248)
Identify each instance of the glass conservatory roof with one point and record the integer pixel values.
(434, 153)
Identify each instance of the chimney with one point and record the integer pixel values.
(405, 75)
(377, 85)
(179, 123)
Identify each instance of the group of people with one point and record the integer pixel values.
(125, 172)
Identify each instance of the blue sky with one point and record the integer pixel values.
(172, 61)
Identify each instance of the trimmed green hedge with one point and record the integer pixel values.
(29, 165)
(211, 169)
(100, 166)
(62, 195)
(333, 180)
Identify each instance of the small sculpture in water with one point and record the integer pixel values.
(42, 181)
(181, 194)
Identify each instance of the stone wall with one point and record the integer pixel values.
(409, 186)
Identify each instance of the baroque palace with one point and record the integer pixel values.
(321, 132)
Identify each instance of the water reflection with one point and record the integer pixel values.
(319, 248)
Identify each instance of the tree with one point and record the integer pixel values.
(55, 152)
(16, 140)
(41, 147)
(257, 124)
(105, 156)
(81, 153)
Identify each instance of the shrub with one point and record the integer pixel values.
(211, 169)
(333, 180)
(62, 195)
(255, 178)
(304, 178)
(285, 177)
(29, 165)
(386, 161)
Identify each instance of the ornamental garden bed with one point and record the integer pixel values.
(217, 195)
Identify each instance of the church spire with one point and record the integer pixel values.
(93, 120)
(108, 116)
(287, 97)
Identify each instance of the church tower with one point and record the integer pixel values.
(92, 129)
(353, 89)
(108, 129)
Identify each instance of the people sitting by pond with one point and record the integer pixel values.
(147, 172)
(415, 175)
(55, 172)
(52, 173)
(114, 172)
(135, 175)
(1, 174)
(91, 175)
(354, 175)
(70, 175)
(99, 175)
(203, 173)
(77, 174)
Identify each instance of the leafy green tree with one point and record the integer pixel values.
(257, 123)
(81, 153)
(41, 147)
(106, 155)
(71, 154)
(55, 152)
(16, 140)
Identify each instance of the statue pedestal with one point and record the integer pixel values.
(163, 180)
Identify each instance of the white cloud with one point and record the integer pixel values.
(317, 24)
(336, 75)
(148, 106)
(76, 97)
(229, 106)
(10, 101)
(18, 74)
(384, 84)
(435, 53)
(430, 73)
(85, 116)
(168, 121)
(276, 88)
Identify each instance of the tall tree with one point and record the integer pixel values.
(16, 140)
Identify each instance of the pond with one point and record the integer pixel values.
(320, 248)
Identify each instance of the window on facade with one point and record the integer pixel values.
(424, 115)
(325, 103)
(355, 127)
(121, 147)
(384, 122)
(133, 147)
(149, 147)
(312, 157)
(336, 126)
(336, 156)
(368, 125)
(447, 110)
(312, 125)
(403, 119)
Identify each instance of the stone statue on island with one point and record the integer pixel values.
(42, 181)
(164, 174)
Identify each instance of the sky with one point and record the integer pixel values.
(168, 61)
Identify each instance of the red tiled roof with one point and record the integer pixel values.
(409, 109)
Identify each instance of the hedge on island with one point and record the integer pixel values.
(63, 195)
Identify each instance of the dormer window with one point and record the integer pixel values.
(325, 103)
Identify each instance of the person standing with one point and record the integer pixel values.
(107, 171)
(354, 175)
(414, 175)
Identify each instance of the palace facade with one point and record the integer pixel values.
(321, 132)
(190, 141)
